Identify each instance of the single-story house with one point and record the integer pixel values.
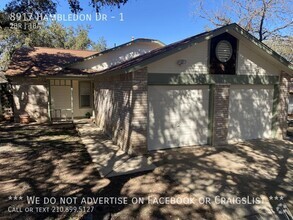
(213, 88)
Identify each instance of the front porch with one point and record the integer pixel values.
(69, 98)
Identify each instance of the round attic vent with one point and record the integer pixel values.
(223, 51)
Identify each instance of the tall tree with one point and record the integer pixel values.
(100, 45)
(283, 45)
(53, 35)
(11, 39)
(9, 42)
(56, 35)
(263, 18)
(49, 6)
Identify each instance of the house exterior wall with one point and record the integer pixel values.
(249, 61)
(120, 105)
(220, 114)
(252, 63)
(196, 58)
(117, 56)
(61, 99)
(282, 107)
(290, 97)
(31, 96)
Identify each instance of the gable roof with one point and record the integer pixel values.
(138, 40)
(40, 61)
(140, 61)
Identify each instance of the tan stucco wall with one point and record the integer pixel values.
(250, 62)
(30, 96)
(196, 61)
(117, 56)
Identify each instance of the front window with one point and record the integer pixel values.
(85, 94)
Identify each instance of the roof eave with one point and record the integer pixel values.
(198, 39)
(262, 46)
(156, 57)
(209, 35)
(113, 49)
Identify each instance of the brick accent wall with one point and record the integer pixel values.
(140, 111)
(120, 104)
(221, 113)
(282, 109)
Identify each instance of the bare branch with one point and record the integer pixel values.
(262, 18)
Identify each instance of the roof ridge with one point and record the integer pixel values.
(115, 48)
(59, 48)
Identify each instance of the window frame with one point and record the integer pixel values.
(217, 67)
(79, 94)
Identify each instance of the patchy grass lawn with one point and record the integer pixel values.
(50, 161)
(40, 160)
(43, 160)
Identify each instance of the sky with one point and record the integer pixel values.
(164, 20)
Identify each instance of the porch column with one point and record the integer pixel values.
(49, 101)
(71, 98)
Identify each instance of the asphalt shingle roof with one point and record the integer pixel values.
(39, 61)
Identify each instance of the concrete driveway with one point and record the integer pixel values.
(259, 173)
(251, 180)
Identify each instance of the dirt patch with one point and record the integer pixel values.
(50, 161)
(43, 160)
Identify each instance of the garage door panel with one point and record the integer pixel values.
(176, 114)
(164, 115)
(250, 112)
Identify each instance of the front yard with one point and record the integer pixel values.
(50, 161)
(43, 161)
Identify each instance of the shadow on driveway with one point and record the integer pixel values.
(45, 160)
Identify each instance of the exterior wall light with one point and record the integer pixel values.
(181, 62)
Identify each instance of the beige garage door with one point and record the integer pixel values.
(250, 112)
(178, 116)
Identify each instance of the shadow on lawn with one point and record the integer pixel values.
(39, 160)
(253, 170)
(50, 161)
